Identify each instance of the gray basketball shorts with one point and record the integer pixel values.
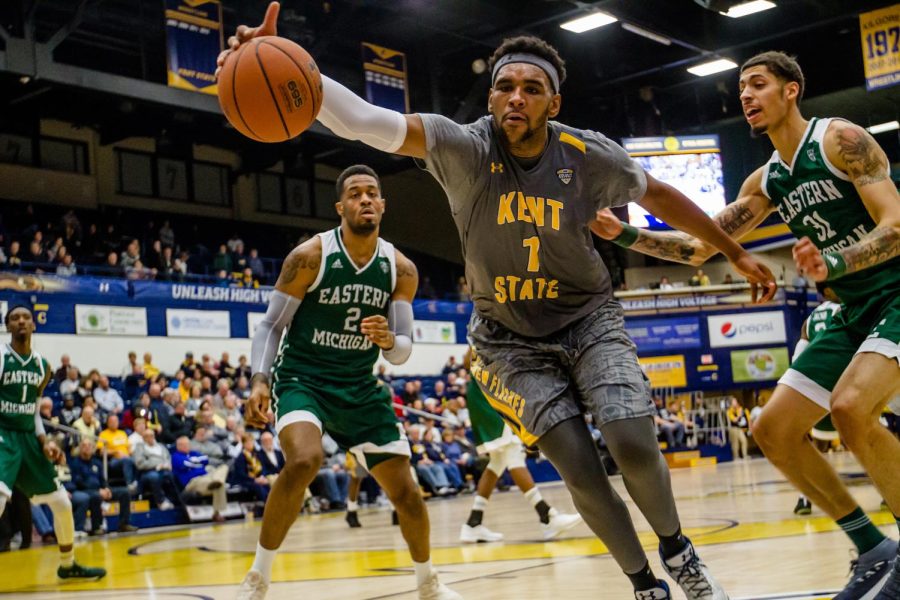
(590, 366)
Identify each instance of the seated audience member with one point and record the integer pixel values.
(154, 464)
(384, 376)
(271, 457)
(196, 475)
(87, 425)
(225, 368)
(150, 371)
(210, 370)
(699, 278)
(665, 284)
(243, 367)
(116, 443)
(143, 410)
(89, 490)
(242, 389)
(69, 413)
(185, 383)
(49, 419)
(62, 372)
(457, 413)
(248, 471)
(676, 411)
(738, 428)
(428, 472)
(188, 364)
(223, 388)
(671, 428)
(108, 399)
(451, 367)
(192, 404)
(203, 445)
(247, 280)
(455, 453)
(132, 370)
(177, 425)
(234, 444)
(231, 409)
(432, 438)
(332, 477)
(136, 438)
(71, 385)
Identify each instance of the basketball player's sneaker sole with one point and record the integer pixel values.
(891, 588)
(559, 524)
(77, 571)
(254, 587)
(432, 589)
(870, 572)
(660, 592)
(692, 575)
(479, 533)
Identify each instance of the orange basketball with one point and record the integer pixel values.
(270, 89)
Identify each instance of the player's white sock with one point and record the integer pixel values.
(423, 570)
(263, 562)
(480, 503)
(352, 505)
(533, 495)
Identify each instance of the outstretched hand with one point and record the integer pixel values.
(758, 274)
(606, 225)
(269, 26)
(809, 260)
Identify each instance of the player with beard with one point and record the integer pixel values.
(342, 298)
(549, 338)
(830, 182)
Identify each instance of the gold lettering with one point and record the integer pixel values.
(513, 282)
(504, 210)
(499, 285)
(526, 292)
(522, 207)
(555, 207)
(536, 208)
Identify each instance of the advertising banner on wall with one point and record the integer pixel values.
(879, 32)
(665, 371)
(182, 322)
(194, 40)
(762, 364)
(110, 320)
(434, 332)
(652, 335)
(746, 329)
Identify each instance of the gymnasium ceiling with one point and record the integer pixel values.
(619, 82)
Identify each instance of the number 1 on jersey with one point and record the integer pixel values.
(534, 245)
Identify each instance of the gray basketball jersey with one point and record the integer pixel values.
(530, 261)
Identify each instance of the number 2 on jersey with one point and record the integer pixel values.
(353, 314)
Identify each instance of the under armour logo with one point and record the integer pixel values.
(496, 167)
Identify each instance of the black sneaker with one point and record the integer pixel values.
(660, 592)
(891, 589)
(352, 519)
(77, 571)
(127, 528)
(395, 520)
(804, 506)
(870, 572)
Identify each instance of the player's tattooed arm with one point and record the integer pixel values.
(300, 268)
(854, 151)
(677, 247)
(880, 245)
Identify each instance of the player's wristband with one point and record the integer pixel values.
(628, 236)
(835, 265)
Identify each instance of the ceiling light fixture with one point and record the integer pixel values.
(715, 66)
(647, 34)
(588, 22)
(882, 127)
(748, 8)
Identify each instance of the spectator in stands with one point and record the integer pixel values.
(132, 254)
(112, 268)
(248, 472)
(139, 272)
(728, 279)
(71, 386)
(440, 390)
(256, 264)
(69, 413)
(247, 280)
(457, 413)
(62, 373)
(155, 466)
(699, 279)
(13, 259)
(188, 364)
(182, 385)
(166, 235)
(166, 268)
(225, 368)
(462, 290)
(209, 448)
(451, 366)
(384, 376)
(178, 424)
(36, 255)
(66, 267)
(454, 452)
(454, 388)
(153, 258)
(180, 266)
(192, 405)
(143, 410)
(196, 475)
(433, 446)
(137, 436)
(243, 367)
(116, 443)
(89, 489)
(132, 368)
(109, 401)
(271, 457)
(222, 278)
(223, 388)
(738, 428)
(90, 246)
(231, 410)
(154, 390)
(426, 289)
(149, 369)
(86, 424)
(222, 260)
(665, 284)
(332, 477)
(234, 443)
(671, 428)
(242, 389)
(430, 473)
(409, 395)
(210, 370)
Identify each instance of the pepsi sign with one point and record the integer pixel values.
(746, 329)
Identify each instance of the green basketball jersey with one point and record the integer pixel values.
(819, 201)
(20, 383)
(820, 318)
(323, 342)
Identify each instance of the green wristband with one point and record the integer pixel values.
(628, 236)
(835, 265)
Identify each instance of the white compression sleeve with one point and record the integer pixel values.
(400, 320)
(352, 118)
(282, 308)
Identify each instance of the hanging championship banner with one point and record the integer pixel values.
(194, 39)
(386, 83)
(880, 35)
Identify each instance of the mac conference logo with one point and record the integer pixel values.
(728, 329)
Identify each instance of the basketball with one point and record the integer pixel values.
(270, 89)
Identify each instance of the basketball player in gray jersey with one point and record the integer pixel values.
(549, 339)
